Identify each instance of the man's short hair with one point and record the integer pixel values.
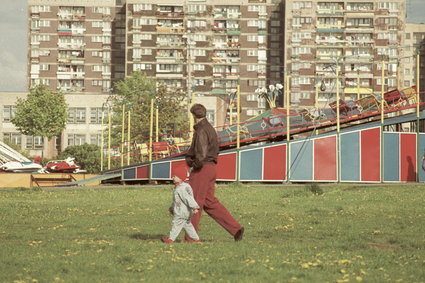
(198, 110)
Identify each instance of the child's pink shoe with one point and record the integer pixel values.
(167, 240)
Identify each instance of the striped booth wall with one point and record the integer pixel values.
(314, 159)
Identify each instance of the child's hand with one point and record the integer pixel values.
(170, 210)
(195, 210)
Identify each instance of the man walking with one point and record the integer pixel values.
(202, 157)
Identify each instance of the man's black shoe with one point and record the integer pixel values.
(239, 235)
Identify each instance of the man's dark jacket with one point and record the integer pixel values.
(204, 147)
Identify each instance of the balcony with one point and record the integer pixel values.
(330, 12)
(168, 14)
(69, 75)
(218, 91)
(71, 31)
(262, 31)
(170, 43)
(169, 59)
(170, 29)
(233, 31)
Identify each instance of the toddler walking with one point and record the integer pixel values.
(183, 207)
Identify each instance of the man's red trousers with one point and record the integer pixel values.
(203, 186)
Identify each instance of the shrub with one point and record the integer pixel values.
(86, 155)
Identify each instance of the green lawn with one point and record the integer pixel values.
(344, 233)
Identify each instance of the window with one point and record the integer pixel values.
(40, 8)
(199, 67)
(256, 83)
(407, 35)
(76, 139)
(199, 82)
(199, 37)
(253, 52)
(34, 142)
(198, 52)
(252, 97)
(96, 139)
(142, 7)
(8, 112)
(196, 23)
(196, 8)
(257, 23)
(174, 68)
(76, 115)
(36, 24)
(15, 138)
(137, 67)
(388, 6)
(301, 5)
(406, 83)
(138, 22)
(96, 115)
(102, 10)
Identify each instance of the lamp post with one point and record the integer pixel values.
(271, 94)
(191, 94)
(232, 97)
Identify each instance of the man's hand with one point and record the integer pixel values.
(170, 210)
(195, 210)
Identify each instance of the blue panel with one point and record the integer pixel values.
(350, 157)
(161, 170)
(251, 165)
(421, 150)
(129, 174)
(301, 167)
(391, 157)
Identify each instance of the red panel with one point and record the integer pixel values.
(142, 172)
(275, 163)
(370, 155)
(179, 163)
(325, 163)
(408, 157)
(226, 166)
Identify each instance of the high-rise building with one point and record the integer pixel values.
(204, 48)
(414, 40)
(353, 35)
(76, 46)
(200, 48)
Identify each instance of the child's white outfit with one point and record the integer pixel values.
(182, 207)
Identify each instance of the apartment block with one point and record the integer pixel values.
(355, 36)
(414, 41)
(208, 48)
(76, 46)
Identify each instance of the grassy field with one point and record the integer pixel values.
(331, 233)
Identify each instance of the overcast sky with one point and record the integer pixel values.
(13, 40)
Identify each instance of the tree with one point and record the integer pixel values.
(136, 92)
(42, 113)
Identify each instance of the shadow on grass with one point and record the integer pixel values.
(150, 237)
(146, 236)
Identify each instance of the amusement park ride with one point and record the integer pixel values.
(347, 142)
(275, 124)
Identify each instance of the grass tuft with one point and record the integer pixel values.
(314, 188)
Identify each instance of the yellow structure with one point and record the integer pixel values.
(27, 180)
